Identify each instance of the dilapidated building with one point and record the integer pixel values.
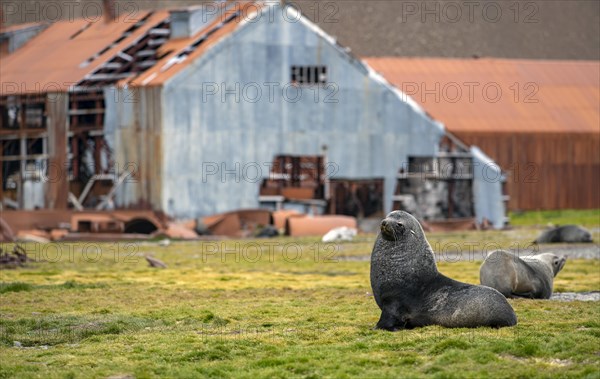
(236, 105)
(538, 119)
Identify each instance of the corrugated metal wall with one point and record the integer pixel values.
(369, 131)
(545, 170)
(133, 131)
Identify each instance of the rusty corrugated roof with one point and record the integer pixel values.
(165, 68)
(55, 59)
(504, 95)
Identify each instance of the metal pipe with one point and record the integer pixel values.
(109, 10)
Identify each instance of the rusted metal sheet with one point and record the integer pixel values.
(547, 142)
(535, 95)
(15, 36)
(317, 225)
(545, 170)
(6, 233)
(56, 219)
(39, 219)
(67, 51)
(116, 222)
(450, 225)
(105, 237)
(74, 49)
(183, 51)
(180, 231)
(280, 217)
(240, 223)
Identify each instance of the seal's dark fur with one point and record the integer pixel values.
(411, 292)
(565, 233)
(521, 277)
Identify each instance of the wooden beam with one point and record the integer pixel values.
(57, 106)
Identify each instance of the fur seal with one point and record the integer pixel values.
(411, 292)
(565, 233)
(528, 277)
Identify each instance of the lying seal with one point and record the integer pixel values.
(411, 292)
(529, 277)
(565, 233)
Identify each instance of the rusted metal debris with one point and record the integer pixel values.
(45, 226)
(16, 258)
(280, 217)
(317, 225)
(451, 225)
(241, 223)
(6, 233)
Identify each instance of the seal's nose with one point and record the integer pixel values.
(384, 223)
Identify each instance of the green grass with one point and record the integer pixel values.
(269, 309)
(586, 218)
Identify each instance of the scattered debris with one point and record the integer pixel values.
(6, 233)
(156, 263)
(37, 236)
(58, 234)
(200, 228)
(16, 258)
(145, 225)
(142, 225)
(343, 233)
(240, 223)
(267, 231)
(280, 217)
(115, 222)
(317, 225)
(71, 225)
(105, 237)
(179, 231)
(450, 225)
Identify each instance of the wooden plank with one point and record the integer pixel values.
(57, 107)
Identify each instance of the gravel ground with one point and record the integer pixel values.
(574, 296)
(589, 251)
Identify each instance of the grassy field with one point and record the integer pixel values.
(589, 218)
(269, 309)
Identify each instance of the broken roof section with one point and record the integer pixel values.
(20, 27)
(132, 50)
(501, 95)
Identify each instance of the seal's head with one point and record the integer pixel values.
(557, 263)
(398, 224)
(587, 237)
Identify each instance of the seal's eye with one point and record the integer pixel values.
(400, 226)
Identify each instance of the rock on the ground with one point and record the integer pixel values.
(576, 296)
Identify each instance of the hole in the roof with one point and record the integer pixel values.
(124, 35)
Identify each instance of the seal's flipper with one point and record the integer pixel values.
(388, 321)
